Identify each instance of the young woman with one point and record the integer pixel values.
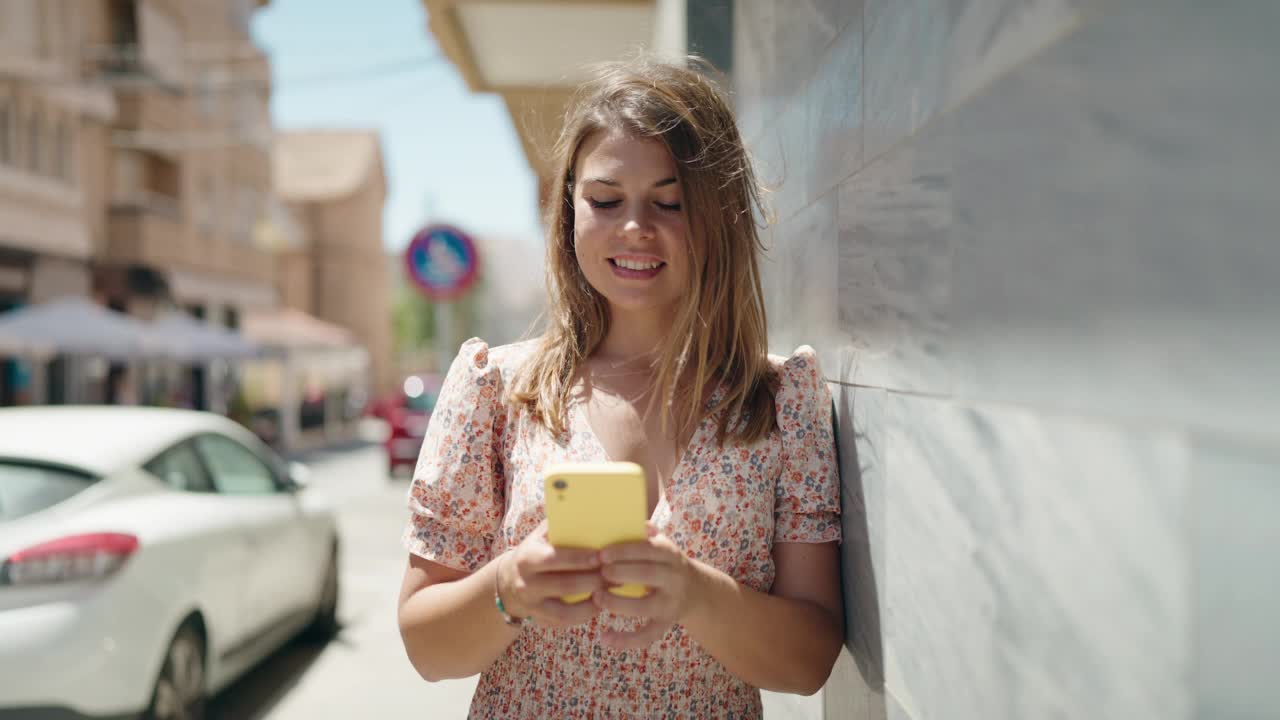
(655, 353)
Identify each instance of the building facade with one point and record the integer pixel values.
(1034, 245)
(53, 138)
(333, 184)
(189, 164)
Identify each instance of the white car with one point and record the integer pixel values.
(148, 557)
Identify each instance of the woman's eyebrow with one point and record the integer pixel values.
(614, 183)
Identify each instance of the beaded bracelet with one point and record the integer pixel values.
(497, 600)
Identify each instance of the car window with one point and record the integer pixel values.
(236, 469)
(28, 488)
(180, 468)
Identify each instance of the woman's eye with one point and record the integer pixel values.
(603, 204)
(672, 207)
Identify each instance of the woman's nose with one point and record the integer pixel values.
(636, 225)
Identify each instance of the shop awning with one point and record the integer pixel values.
(79, 326)
(289, 329)
(196, 340)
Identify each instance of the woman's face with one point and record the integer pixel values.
(630, 234)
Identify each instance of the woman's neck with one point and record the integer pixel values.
(634, 336)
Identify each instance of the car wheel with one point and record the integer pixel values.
(325, 625)
(179, 692)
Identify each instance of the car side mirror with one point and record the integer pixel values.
(299, 476)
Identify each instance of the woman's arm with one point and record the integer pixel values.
(786, 640)
(448, 621)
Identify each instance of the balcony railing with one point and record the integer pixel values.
(126, 65)
(148, 229)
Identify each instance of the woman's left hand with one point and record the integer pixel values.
(667, 572)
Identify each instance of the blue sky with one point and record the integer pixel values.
(450, 155)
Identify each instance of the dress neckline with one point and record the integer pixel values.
(579, 416)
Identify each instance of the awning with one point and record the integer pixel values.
(79, 326)
(196, 340)
(289, 329)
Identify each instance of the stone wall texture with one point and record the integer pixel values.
(1036, 244)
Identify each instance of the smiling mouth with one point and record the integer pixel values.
(636, 269)
(649, 265)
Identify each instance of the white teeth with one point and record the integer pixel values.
(634, 265)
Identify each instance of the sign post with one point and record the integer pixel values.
(443, 264)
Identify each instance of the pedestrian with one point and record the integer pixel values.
(655, 352)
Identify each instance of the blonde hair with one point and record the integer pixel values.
(720, 334)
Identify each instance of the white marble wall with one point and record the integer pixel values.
(1037, 246)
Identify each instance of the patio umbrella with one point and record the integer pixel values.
(195, 340)
(79, 326)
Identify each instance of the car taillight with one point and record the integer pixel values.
(76, 557)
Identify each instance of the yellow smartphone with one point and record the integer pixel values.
(592, 505)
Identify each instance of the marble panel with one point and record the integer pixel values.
(847, 694)
(988, 38)
(803, 308)
(754, 65)
(1035, 566)
(1237, 501)
(1115, 215)
(784, 159)
(895, 257)
(861, 431)
(804, 29)
(783, 706)
(835, 110)
(905, 48)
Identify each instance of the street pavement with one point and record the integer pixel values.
(363, 672)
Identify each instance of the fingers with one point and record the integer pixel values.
(645, 573)
(549, 558)
(652, 550)
(653, 605)
(557, 614)
(558, 584)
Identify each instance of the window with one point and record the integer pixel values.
(6, 131)
(19, 27)
(236, 469)
(62, 152)
(181, 469)
(28, 488)
(241, 15)
(34, 150)
(124, 24)
(208, 204)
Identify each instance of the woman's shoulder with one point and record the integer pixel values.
(497, 362)
(799, 369)
(801, 385)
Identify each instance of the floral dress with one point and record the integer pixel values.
(477, 491)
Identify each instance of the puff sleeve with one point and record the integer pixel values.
(807, 493)
(457, 497)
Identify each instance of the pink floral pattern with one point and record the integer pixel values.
(477, 491)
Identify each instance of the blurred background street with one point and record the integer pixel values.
(362, 672)
(1032, 242)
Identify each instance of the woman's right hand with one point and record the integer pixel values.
(535, 575)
